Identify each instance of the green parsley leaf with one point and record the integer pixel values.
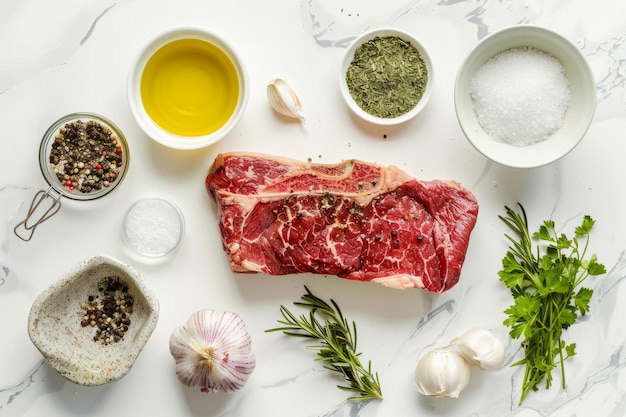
(570, 349)
(581, 300)
(544, 278)
(585, 227)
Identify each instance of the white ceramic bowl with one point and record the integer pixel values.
(185, 140)
(54, 323)
(349, 57)
(578, 116)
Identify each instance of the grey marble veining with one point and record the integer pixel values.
(25, 387)
(47, 43)
(58, 48)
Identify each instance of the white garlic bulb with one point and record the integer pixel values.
(283, 99)
(442, 373)
(212, 351)
(481, 347)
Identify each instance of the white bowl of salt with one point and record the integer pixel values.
(153, 227)
(525, 96)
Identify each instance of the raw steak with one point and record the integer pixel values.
(356, 220)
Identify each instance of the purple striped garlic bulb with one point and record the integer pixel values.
(212, 351)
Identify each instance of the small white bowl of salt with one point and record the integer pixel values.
(153, 227)
(525, 96)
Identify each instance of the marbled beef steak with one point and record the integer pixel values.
(355, 219)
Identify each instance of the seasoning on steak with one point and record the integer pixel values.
(355, 219)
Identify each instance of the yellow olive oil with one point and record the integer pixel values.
(190, 87)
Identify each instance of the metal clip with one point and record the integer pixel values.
(38, 199)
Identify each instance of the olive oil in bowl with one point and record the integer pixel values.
(190, 87)
(187, 88)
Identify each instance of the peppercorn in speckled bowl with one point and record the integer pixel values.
(386, 76)
(93, 322)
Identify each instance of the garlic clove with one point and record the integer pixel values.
(283, 99)
(212, 351)
(442, 373)
(481, 347)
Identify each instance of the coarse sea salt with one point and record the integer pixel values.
(520, 96)
(153, 226)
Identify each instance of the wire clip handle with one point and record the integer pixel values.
(38, 207)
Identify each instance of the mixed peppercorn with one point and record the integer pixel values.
(86, 156)
(108, 310)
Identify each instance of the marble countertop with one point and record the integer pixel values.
(69, 55)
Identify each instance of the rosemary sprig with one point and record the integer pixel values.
(337, 343)
(545, 282)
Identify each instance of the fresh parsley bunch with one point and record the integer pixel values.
(545, 282)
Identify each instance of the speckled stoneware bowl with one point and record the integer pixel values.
(54, 323)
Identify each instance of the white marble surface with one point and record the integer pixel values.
(63, 56)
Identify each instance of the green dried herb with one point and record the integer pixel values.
(387, 76)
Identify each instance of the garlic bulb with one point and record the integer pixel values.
(212, 351)
(442, 373)
(284, 99)
(481, 347)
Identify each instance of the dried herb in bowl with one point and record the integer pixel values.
(387, 76)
